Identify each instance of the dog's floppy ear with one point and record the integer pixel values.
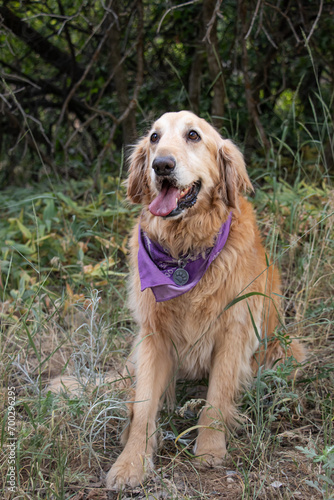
(137, 185)
(234, 177)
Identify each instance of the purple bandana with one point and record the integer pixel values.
(168, 277)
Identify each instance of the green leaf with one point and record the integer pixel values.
(243, 297)
(20, 248)
(24, 230)
(67, 200)
(49, 211)
(254, 325)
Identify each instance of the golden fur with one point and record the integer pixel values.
(192, 336)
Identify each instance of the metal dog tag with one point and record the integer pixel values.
(180, 276)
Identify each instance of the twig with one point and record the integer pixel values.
(9, 76)
(67, 34)
(286, 17)
(253, 19)
(79, 129)
(99, 112)
(133, 102)
(212, 21)
(85, 73)
(269, 38)
(110, 77)
(173, 8)
(30, 136)
(315, 22)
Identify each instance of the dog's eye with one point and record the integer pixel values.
(193, 136)
(154, 137)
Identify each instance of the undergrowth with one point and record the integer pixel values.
(63, 312)
(63, 272)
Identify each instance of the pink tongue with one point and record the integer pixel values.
(165, 202)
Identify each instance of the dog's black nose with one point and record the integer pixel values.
(164, 165)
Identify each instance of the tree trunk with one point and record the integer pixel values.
(120, 79)
(214, 64)
(256, 124)
(194, 85)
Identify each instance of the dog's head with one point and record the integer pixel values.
(179, 164)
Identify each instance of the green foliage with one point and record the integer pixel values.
(272, 397)
(64, 110)
(48, 237)
(325, 458)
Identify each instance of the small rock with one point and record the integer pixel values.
(276, 484)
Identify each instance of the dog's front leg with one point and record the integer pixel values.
(153, 373)
(229, 370)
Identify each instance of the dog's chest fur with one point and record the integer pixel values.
(190, 324)
(193, 324)
(191, 335)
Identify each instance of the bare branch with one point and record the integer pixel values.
(133, 103)
(110, 78)
(269, 38)
(49, 52)
(253, 18)
(27, 133)
(286, 17)
(315, 22)
(212, 21)
(173, 8)
(79, 82)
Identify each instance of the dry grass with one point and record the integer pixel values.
(65, 442)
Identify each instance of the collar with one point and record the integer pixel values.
(168, 277)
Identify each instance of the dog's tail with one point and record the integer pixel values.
(72, 384)
(275, 352)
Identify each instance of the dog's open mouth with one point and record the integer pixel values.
(172, 201)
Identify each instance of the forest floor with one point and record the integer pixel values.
(63, 312)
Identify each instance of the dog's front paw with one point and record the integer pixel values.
(208, 460)
(128, 470)
(211, 451)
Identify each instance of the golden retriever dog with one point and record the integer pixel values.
(201, 289)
